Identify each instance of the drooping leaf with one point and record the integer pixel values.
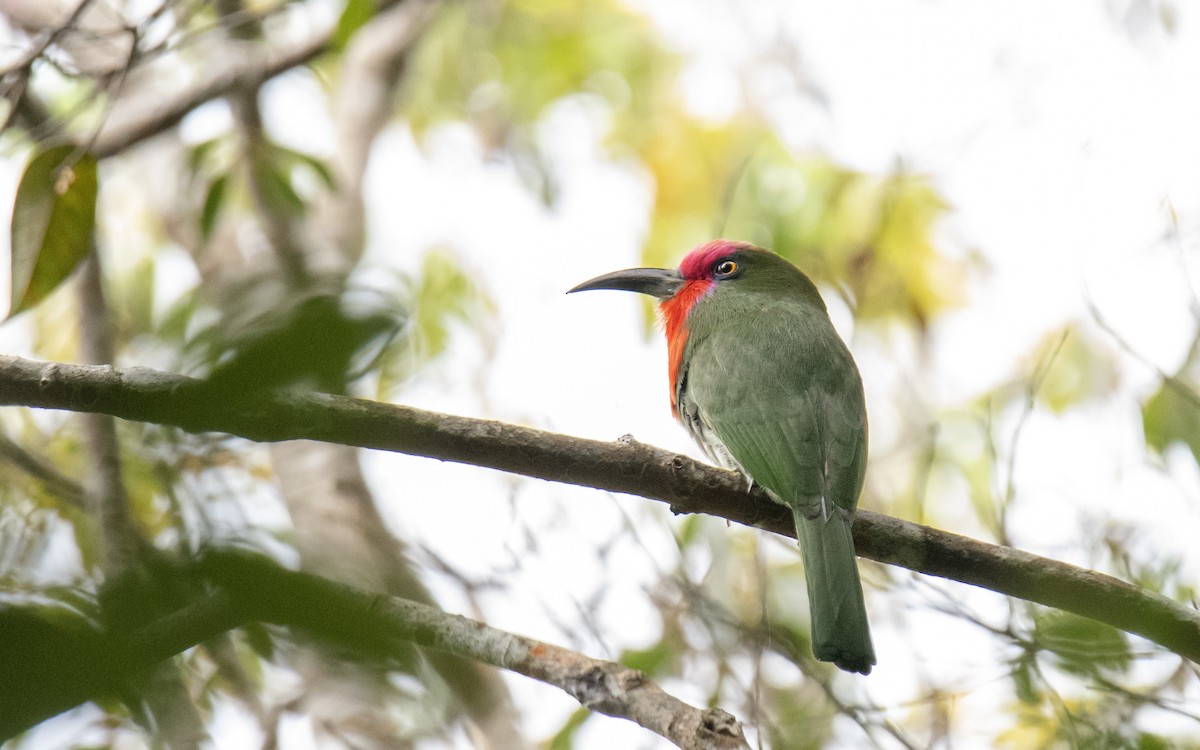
(199, 154)
(53, 218)
(133, 300)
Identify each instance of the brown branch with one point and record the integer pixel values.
(347, 615)
(254, 589)
(105, 488)
(138, 119)
(121, 544)
(627, 466)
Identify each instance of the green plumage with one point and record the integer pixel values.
(766, 385)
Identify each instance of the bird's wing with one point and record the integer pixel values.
(796, 426)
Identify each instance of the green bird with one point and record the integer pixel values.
(764, 384)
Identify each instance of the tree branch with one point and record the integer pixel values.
(254, 589)
(627, 466)
(138, 119)
(105, 488)
(350, 616)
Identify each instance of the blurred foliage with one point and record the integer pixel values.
(1172, 414)
(270, 336)
(868, 237)
(443, 296)
(1068, 367)
(499, 66)
(1081, 646)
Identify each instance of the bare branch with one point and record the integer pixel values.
(145, 395)
(106, 487)
(137, 119)
(254, 589)
(121, 543)
(275, 595)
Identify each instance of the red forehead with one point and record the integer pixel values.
(697, 264)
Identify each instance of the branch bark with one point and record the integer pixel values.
(627, 466)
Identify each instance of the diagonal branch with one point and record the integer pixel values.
(272, 594)
(627, 466)
(254, 589)
(133, 121)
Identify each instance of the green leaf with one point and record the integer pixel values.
(175, 321)
(198, 154)
(291, 157)
(214, 198)
(441, 296)
(651, 660)
(1146, 741)
(564, 739)
(278, 191)
(53, 218)
(1172, 415)
(1083, 646)
(1069, 367)
(1027, 690)
(354, 16)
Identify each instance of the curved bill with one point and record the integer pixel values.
(657, 282)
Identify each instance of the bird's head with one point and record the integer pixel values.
(707, 268)
(711, 271)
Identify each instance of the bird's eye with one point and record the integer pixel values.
(725, 268)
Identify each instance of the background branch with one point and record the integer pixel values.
(283, 597)
(625, 466)
(255, 589)
(121, 544)
(136, 119)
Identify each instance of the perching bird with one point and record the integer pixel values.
(765, 385)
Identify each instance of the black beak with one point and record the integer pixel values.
(657, 282)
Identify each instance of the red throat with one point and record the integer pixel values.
(674, 314)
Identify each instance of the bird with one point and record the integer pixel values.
(764, 384)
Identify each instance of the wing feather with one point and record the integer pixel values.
(794, 425)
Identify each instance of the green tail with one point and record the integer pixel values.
(840, 632)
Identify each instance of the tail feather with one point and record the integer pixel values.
(840, 631)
